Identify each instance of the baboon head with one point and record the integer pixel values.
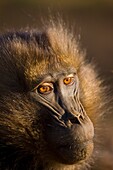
(50, 100)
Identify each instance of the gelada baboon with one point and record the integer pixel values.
(50, 100)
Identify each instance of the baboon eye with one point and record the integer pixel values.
(44, 88)
(68, 80)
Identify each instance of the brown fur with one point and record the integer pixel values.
(22, 61)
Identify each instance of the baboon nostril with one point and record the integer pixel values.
(75, 120)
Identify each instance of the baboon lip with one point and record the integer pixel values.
(73, 145)
(71, 153)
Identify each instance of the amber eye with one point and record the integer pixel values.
(44, 89)
(68, 80)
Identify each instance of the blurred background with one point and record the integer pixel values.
(93, 24)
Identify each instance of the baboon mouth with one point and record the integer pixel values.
(74, 153)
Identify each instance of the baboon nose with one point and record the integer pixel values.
(70, 118)
(75, 118)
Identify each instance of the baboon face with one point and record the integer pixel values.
(68, 130)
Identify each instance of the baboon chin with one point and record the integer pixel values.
(50, 101)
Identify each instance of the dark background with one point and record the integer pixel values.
(93, 24)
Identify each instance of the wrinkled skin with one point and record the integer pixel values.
(68, 130)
